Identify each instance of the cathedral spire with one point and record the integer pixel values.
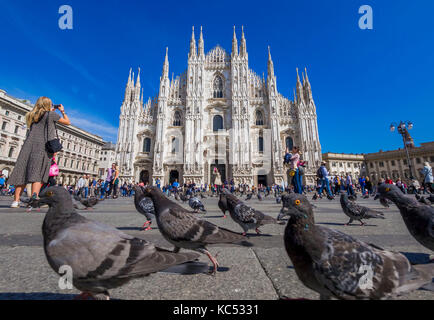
(270, 64)
(192, 52)
(200, 46)
(166, 64)
(138, 79)
(234, 44)
(299, 88)
(129, 78)
(243, 49)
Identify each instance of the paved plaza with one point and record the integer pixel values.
(263, 271)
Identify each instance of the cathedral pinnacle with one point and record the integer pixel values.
(200, 45)
(270, 64)
(138, 78)
(234, 44)
(166, 64)
(243, 49)
(192, 52)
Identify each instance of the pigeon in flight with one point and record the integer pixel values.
(144, 206)
(185, 230)
(418, 217)
(337, 265)
(196, 204)
(358, 212)
(101, 257)
(245, 216)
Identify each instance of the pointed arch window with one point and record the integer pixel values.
(289, 143)
(261, 143)
(147, 145)
(259, 118)
(177, 119)
(217, 123)
(218, 87)
(175, 145)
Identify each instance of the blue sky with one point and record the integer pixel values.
(362, 80)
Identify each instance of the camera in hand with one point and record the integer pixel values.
(56, 106)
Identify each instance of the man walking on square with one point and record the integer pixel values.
(323, 175)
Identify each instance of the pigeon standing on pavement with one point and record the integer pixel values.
(222, 204)
(101, 257)
(315, 196)
(260, 197)
(423, 200)
(245, 216)
(196, 204)
(144, 206)
(352, 197)
(418, 217)
(249, 196)
(89, 203)
(184, 230)
(358, 212)
(337, 265)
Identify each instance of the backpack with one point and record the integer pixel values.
(287, 158)
(319, 173)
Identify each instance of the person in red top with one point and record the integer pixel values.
(388, 181)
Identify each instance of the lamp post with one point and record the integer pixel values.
(403, 128)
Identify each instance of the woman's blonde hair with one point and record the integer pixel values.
(43, 105)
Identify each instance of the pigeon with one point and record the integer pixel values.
(418, 217)
(384, 202)
(366, 196)
(337, 265)
(358, 212)
(260, 197)
(245, 216)
(278, 199)
(89, 203)
(184, 230)
(249, 196)
(144, 206)
(101, 257)
(202, 195)
(221, 205)
(423, 200)
(352, 197)
(183, 197)
(315, 196)
(196, 204)
(177, 197)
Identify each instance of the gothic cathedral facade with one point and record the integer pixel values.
(217, 114)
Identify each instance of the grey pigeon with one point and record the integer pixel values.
(358, 212)
(88, 203)
(260, 197)
(221, 204)
(202, 195)
(352, 197)
(418, 217)
(278, 199)
(337, 265)
(183, 197)
(249, 196)
(384, 202)
(196, 204)
(245, 216)
(184, 230)
(423, 199)
(144, 206)
(315, 196)
(101, 257)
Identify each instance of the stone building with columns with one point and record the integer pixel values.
(217, 114)
(81, 149)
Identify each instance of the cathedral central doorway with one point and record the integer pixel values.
(262, 179)
(221, 168)
(173, 175)
(144, 176)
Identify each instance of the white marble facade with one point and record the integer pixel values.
(217, 113)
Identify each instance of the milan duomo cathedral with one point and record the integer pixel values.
(217, 114)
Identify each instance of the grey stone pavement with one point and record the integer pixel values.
(263, 271)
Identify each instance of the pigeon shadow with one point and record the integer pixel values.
(255, 235)
(290, 267)
(417, 257)
(343, 224)
(331, 223)
(35, 296)
(213, 216)
(134, 228)
(219, 269)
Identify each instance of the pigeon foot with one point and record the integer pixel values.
(258, 231)
(84, 296)
(214, 262)
(147, 226)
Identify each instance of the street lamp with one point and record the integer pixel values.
(403, 128)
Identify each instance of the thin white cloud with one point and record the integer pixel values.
(96, 126)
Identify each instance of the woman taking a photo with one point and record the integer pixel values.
(34, 161)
